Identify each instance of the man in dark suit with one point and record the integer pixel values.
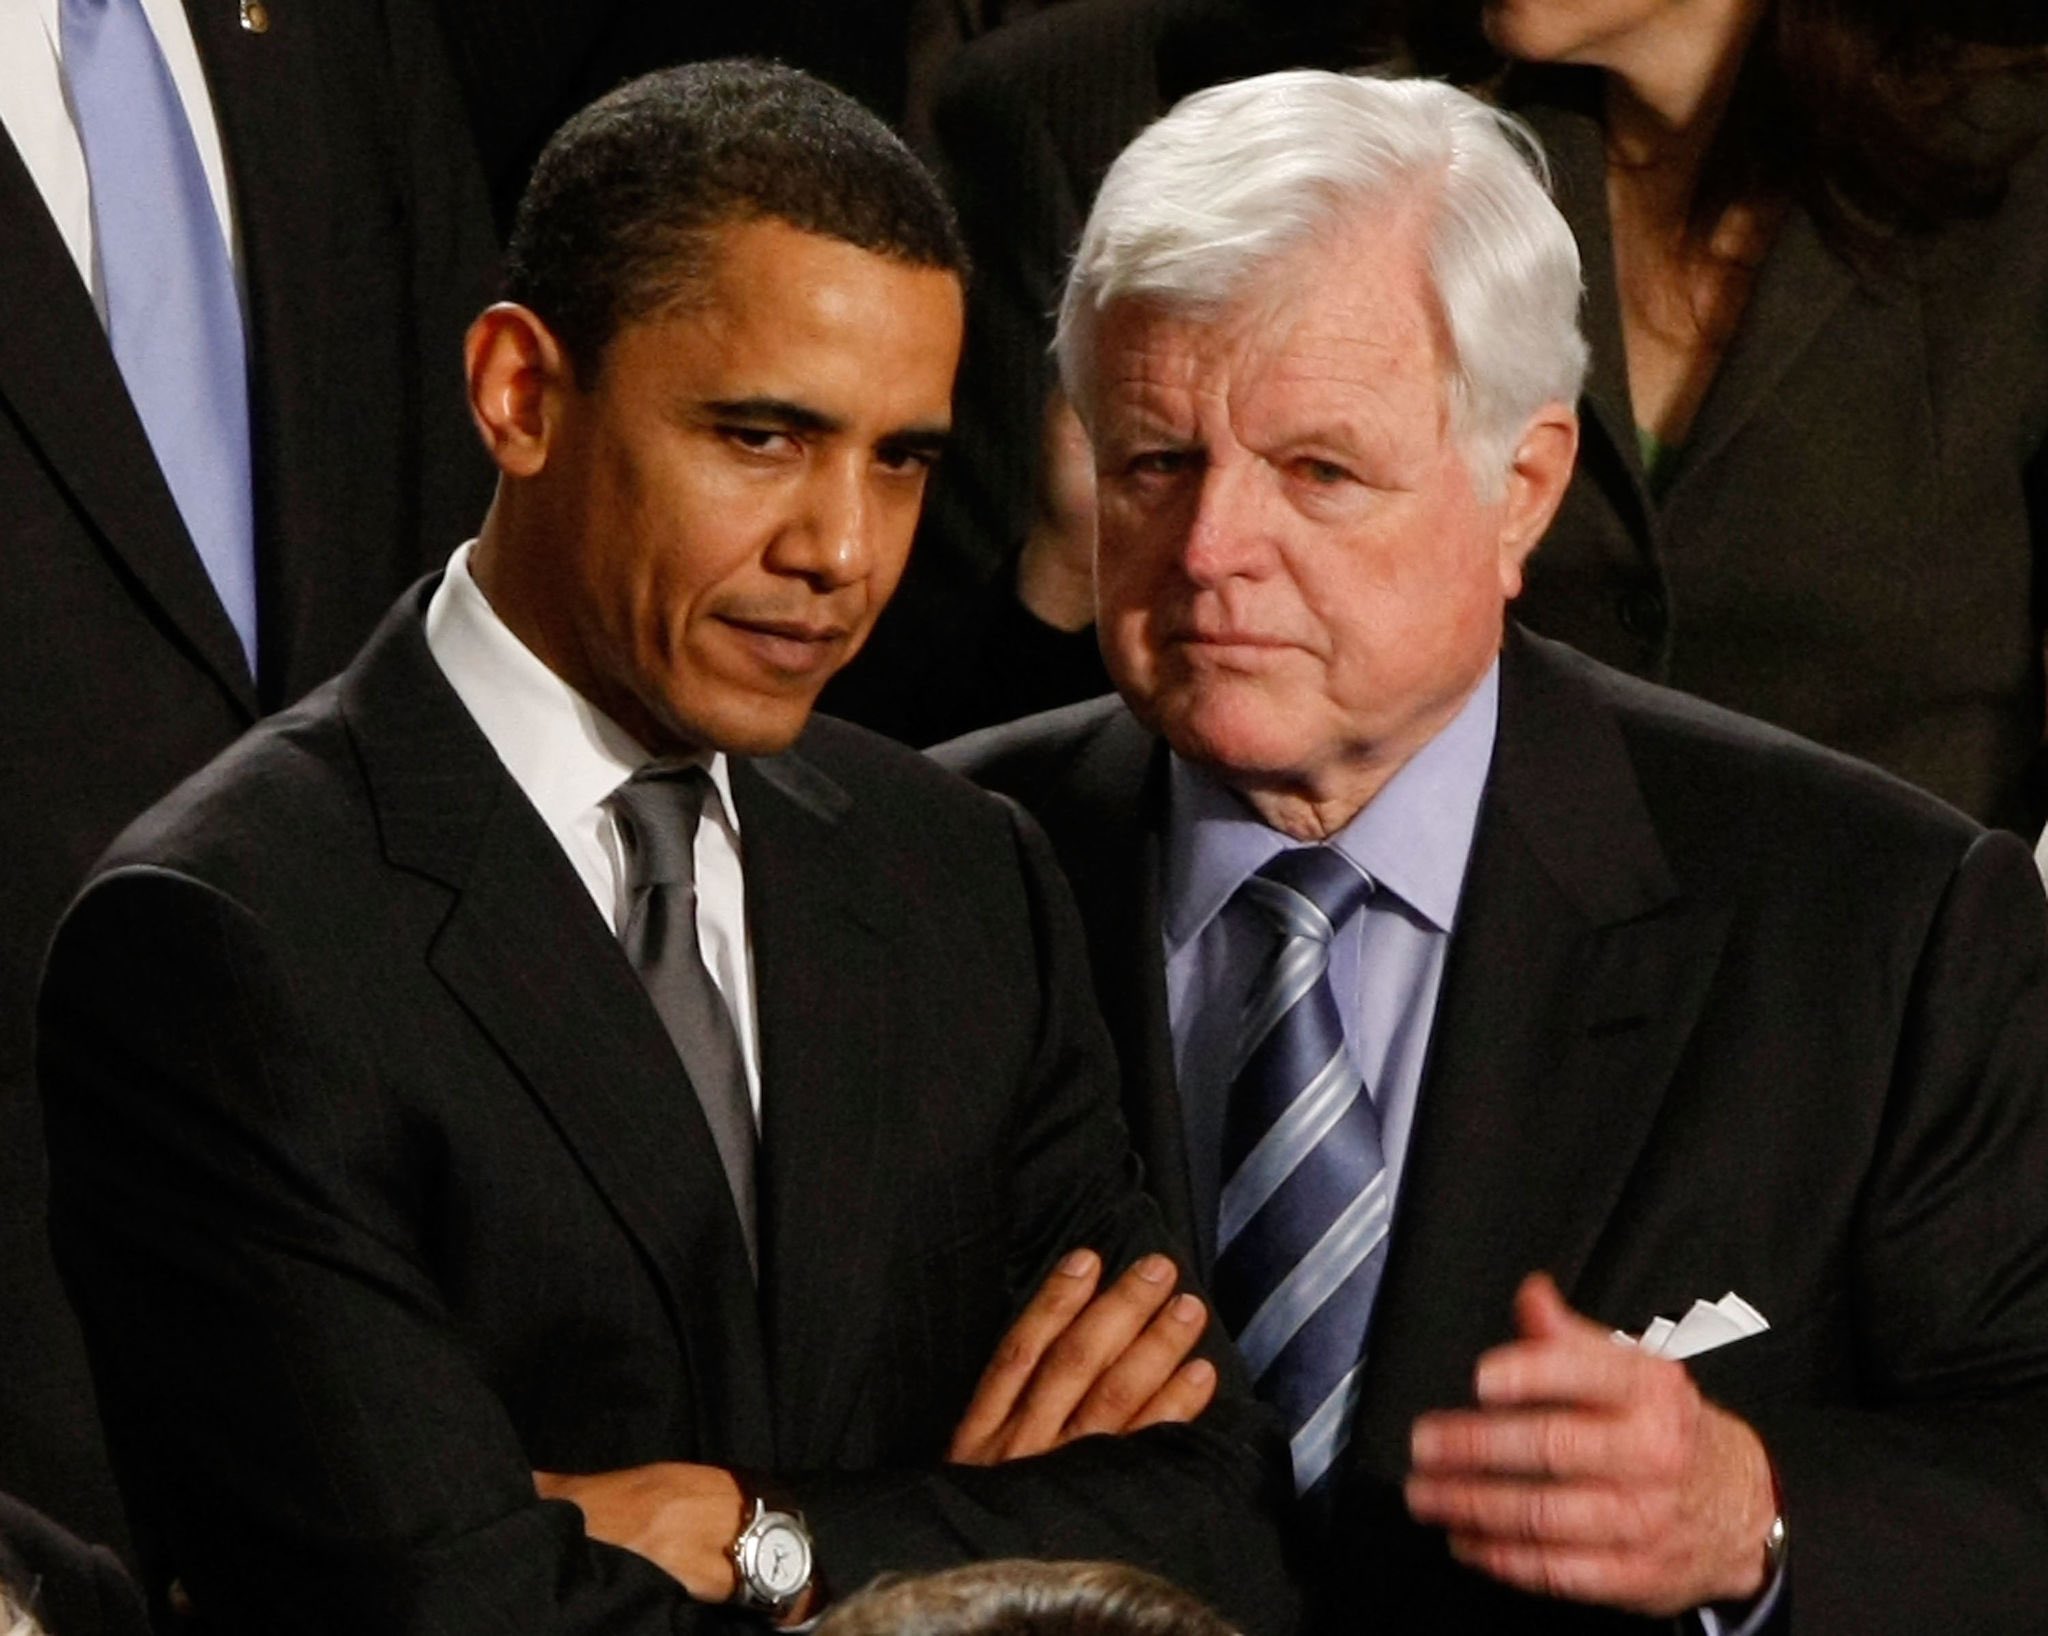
(1477, 1002)
(380, 1184)
(363, 247)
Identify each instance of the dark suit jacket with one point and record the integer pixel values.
(1852, 544)
(1721, 1011)
(367, 248)
(68, 1587)
(378, 1184)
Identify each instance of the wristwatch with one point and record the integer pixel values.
(771, 1561)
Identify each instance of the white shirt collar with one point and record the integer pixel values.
(565, 754)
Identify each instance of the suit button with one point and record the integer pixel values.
(1642, 613)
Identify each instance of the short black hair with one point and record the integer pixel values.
(617, 222)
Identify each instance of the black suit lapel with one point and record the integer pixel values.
(1798, 288)
(59, 381)
(1574, 975)
(1104, 817)
(820, 954)
(525, 952)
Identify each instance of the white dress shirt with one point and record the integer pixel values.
(567, 757)
(36, 113)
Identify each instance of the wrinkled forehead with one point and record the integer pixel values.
(1328, 342)
(1352, 307)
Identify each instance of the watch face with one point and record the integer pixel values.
(782, 1559)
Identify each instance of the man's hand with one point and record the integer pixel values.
(1594, 1471)
(1077, 1363)
(680, 1517)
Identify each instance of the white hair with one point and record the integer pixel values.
(1237, 177)
(15, 1620)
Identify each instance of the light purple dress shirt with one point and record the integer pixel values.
(1414, 839)
(1386, 964)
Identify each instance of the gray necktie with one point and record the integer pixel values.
(657, 813)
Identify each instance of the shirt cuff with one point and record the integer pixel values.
(1714, 1622)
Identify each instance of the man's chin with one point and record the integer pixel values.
(1233, 731)
(740, 723)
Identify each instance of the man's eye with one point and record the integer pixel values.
(906, 462)
(1323, 473)
(1156, 463)
(758, 439)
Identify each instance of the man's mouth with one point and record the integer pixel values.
(795, 646)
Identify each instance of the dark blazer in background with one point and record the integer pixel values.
(1852, 546)
(1721, 1011)
(367, 248)
(378, 1184)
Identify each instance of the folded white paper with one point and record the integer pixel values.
(1709, 1324)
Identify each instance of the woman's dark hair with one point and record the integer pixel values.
(1866, 114)
(1025, 1599)
(617, 222)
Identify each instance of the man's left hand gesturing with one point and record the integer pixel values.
(1593, 1471)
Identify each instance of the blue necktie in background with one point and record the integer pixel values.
(1302, 1221)
(172, 314)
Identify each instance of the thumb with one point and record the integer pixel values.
(1540, 1311)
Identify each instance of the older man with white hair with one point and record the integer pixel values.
(1616, 1131)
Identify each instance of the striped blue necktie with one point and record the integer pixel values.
(1302, 1221)
(173, 318)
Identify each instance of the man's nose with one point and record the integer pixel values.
(831, 541)
(1228, 533)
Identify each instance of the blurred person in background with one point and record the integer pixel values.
(1814, 481)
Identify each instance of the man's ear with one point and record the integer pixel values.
(1538, 475)
(518, 375)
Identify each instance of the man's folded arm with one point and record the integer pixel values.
(308, 1441)
(1202, 1503)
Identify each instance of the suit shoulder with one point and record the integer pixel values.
(1026, 758)
(1706, 770)
(288, 785)
(843, 761)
